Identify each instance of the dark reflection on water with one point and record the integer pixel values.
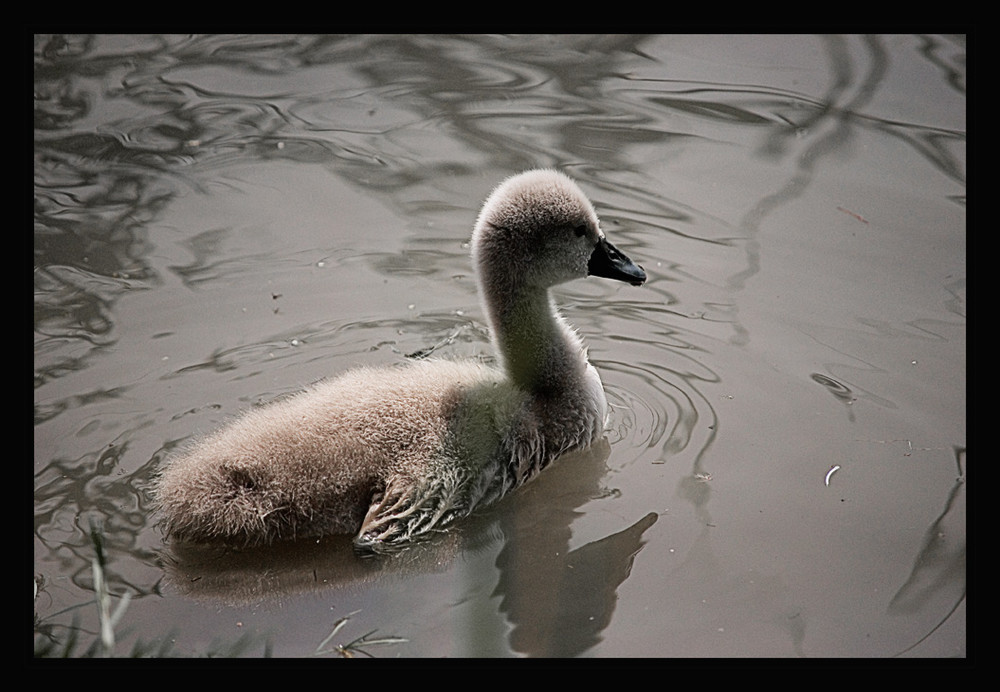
(940, 565)
(157, 159)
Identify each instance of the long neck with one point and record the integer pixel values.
(539, 351)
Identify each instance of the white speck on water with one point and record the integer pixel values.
(830, 473)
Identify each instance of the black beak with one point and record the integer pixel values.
(609, 262)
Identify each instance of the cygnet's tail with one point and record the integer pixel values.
(250, 504)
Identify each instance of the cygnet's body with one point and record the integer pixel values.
(389, 454)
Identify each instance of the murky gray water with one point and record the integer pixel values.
(222, 220)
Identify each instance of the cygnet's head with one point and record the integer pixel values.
(537, 229)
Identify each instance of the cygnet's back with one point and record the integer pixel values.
(389, 454)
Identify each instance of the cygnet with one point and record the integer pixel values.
(389, 454)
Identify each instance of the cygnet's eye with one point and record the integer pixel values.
(580, 231)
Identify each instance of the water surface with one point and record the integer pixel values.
(221, 220)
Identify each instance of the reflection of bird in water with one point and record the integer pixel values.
(556, 600)
(391, 454)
